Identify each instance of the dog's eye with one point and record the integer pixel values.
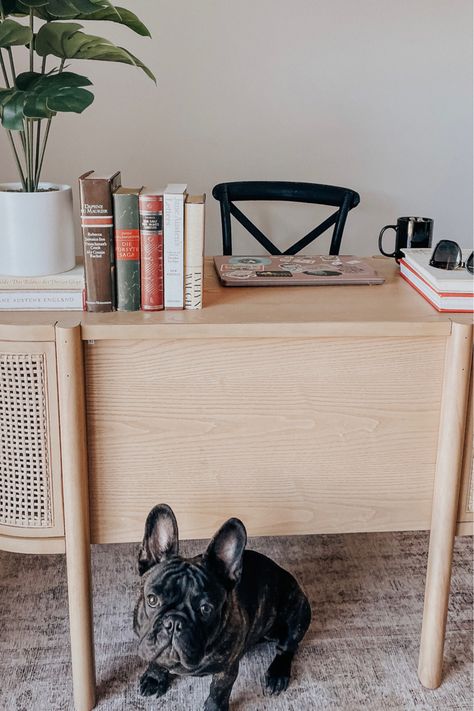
(206, 609)
(152, 600)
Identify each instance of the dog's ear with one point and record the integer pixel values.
(161, 538)
(225, 551)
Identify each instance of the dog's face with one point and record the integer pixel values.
(183, 605)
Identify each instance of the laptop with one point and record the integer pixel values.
(294, 270)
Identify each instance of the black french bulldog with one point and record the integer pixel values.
(198, 616)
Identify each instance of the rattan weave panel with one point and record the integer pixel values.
(25, 467)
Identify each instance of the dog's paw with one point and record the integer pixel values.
(277, 677)
(154, 684)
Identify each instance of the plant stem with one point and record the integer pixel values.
(31, 128)
(43, 148)
(27, 156)
(12, 65)
(37, 151)
(46, 135)
(4, 70)
(17, 159)
(32, 39)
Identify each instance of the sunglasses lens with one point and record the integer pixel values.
(446, 255)
(469, 263)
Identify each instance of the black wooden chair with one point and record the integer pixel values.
(342, 198)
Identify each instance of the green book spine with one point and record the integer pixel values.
(127, 248)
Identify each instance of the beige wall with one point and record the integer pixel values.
(372, 94)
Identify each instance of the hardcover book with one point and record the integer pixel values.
(446, 290)
(173, 249)
(193, 250)
(127, 248)
(150, 206)
(72, 279)
(98, 238)
(45, 299)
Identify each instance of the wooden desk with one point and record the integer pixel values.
(299, 410)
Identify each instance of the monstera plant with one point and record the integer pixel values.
(43, 37)
(51, 33)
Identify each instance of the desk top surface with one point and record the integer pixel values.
(390, 309)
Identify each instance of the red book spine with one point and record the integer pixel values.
(151, 251)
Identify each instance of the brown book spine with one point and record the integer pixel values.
(151, 251)
(98, 239)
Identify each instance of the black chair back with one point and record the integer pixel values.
(228, 193)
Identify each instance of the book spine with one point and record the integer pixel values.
(40, 284)
(127, 251)
(456, 303)
(151, 249)
(46, 300)
(97, 234)
(173, 258)
(193, 254)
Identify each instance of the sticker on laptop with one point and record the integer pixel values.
(322, 272)
(243, 267)
(250, 261)
(241, 274)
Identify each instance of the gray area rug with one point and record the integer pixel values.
(361, 651)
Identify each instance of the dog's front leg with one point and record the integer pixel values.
(221, 687)
(155, 681)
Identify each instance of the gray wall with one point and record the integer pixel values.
(374, 94)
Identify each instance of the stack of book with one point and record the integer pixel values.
(53, 292)
(143, 248)
(451, 291)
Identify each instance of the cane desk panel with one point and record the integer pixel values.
(30, 473)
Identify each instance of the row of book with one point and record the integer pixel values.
(450, 291)
(143, 249)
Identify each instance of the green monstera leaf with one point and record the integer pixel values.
(109, 13)
(60, 8)
(14, 33)
(39, 96)
(66, 41)
(116, 14)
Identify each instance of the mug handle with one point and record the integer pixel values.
(387, 227)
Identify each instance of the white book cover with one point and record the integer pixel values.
(71, 300)
(72, 279)
(193, 251)
(173, 245)
(457, 303)
(442, 280)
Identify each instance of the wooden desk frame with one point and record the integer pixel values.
(89, 346)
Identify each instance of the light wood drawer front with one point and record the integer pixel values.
(293, 436)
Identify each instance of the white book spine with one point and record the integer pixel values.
(173, 250)
(193, 254)
(44, 300)
(69, 280)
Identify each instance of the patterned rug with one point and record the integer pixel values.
(360, 653)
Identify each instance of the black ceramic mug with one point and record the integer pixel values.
(409, 232)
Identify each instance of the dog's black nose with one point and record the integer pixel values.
(172, 624)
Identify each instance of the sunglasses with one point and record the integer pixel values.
(448, 255)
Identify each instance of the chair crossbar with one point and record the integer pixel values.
(253, 229)
(314, 234)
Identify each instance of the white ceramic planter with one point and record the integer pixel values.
(36, 230)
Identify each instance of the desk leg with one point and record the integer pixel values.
(445, 503)
(76, 512)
